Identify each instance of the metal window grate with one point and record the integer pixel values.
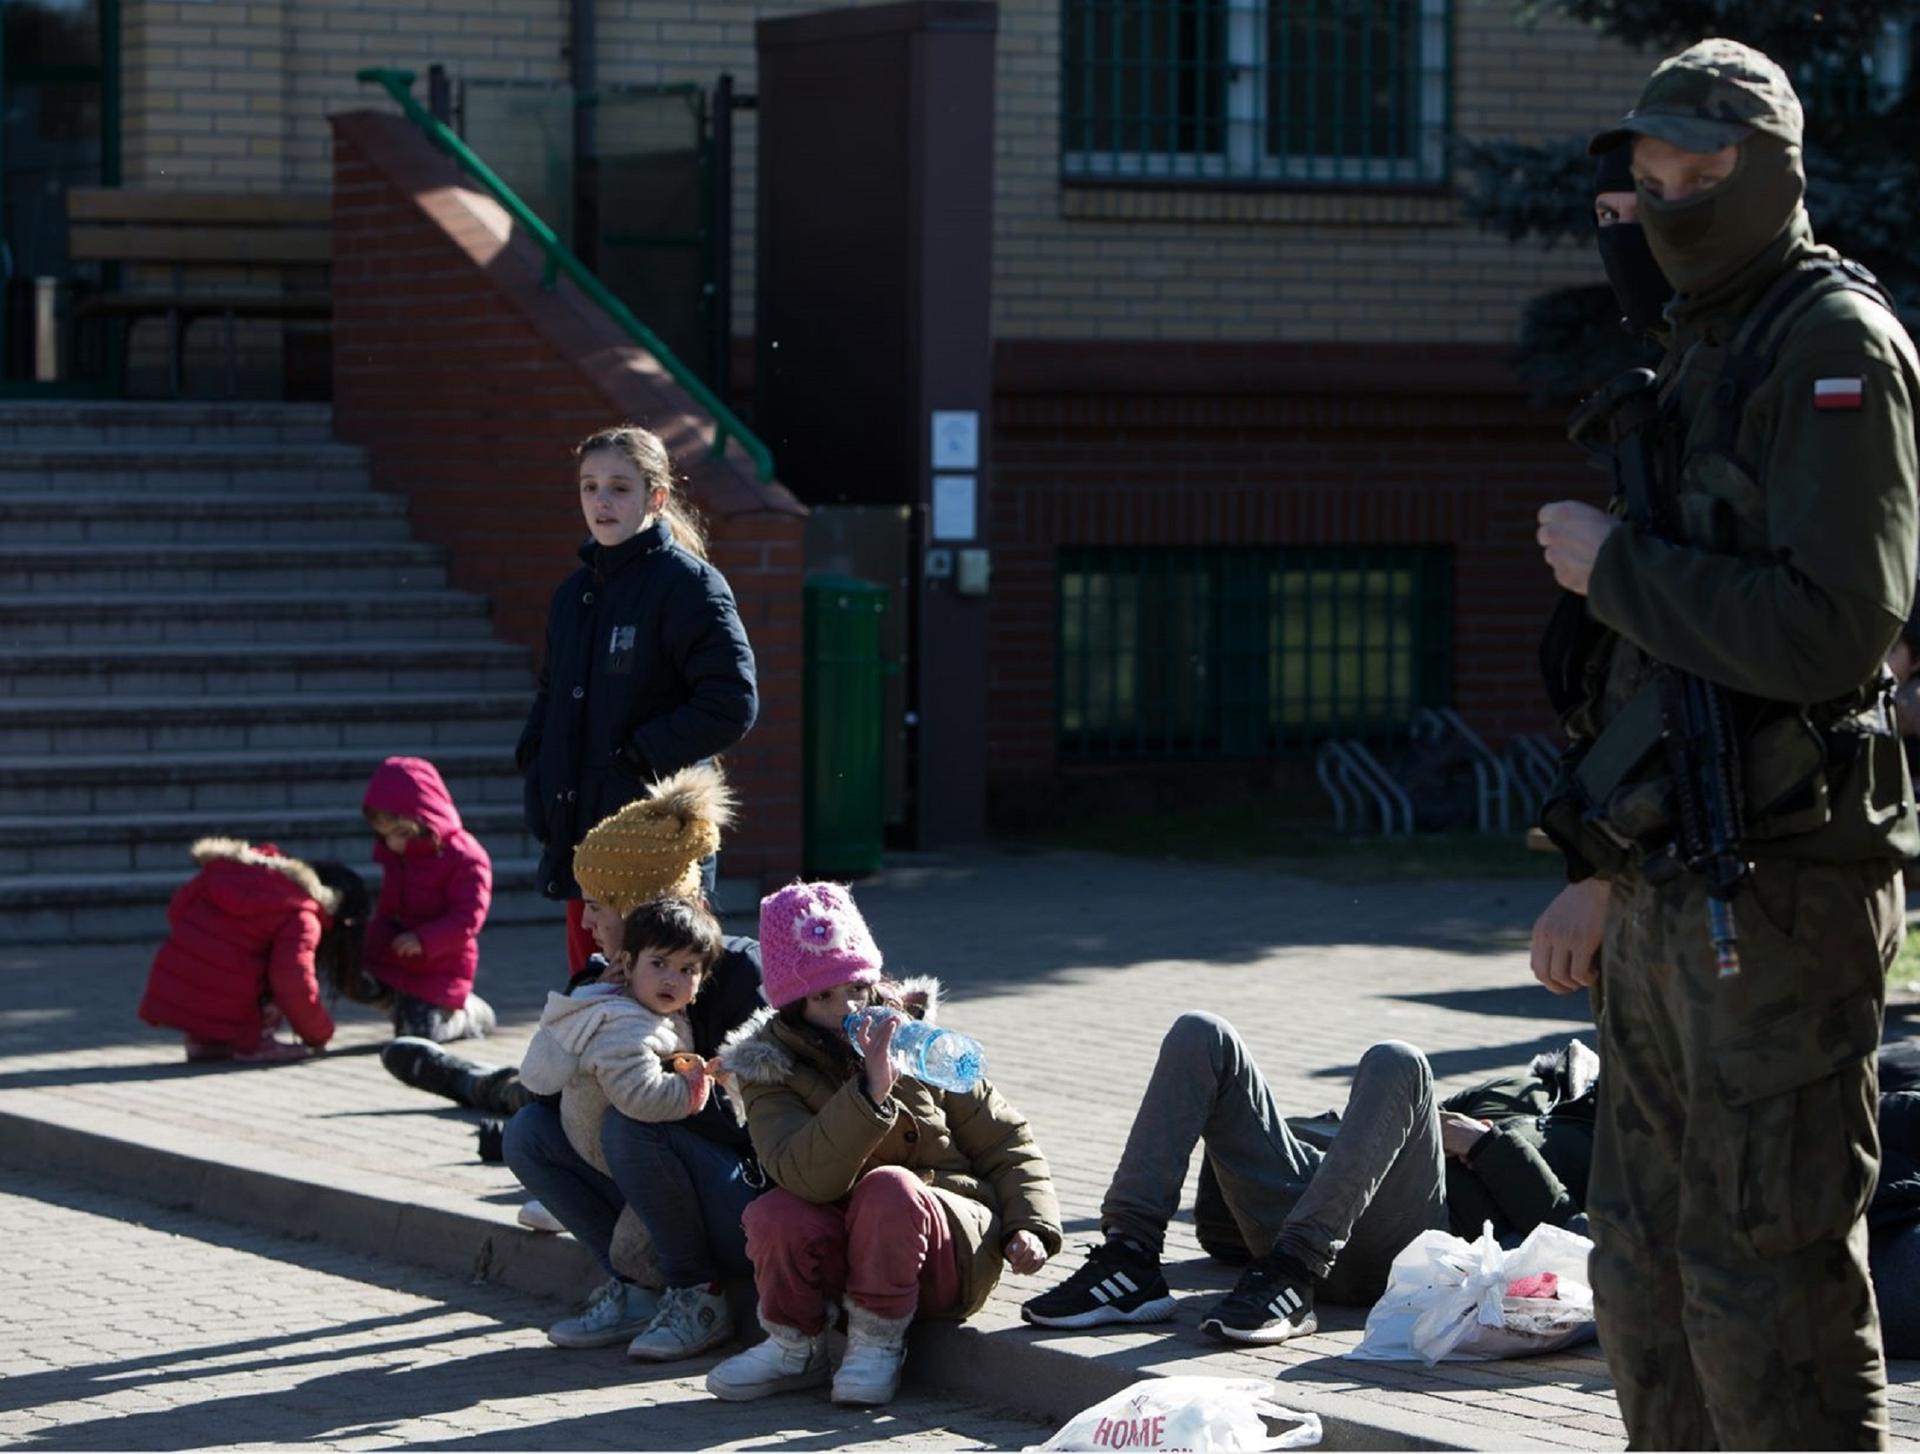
(1314, 92)
(1860, 86)
(1246, 651)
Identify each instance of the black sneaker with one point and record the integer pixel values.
(1118, 1284)
(1272, 1302)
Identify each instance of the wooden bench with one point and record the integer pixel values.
(191, 232)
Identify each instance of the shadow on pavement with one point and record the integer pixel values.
(351, 1404)
(440, 1110)
(28, 1390)
(147, 1071)
(629, 1428)
(347, 1402)
(1526, 1001)
(1478, 1059)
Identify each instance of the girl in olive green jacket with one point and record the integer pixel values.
(893, 1196)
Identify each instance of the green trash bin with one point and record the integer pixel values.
(844, 744)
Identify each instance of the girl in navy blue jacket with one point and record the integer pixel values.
(647, 666)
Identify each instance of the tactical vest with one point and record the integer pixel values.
(1612, 808)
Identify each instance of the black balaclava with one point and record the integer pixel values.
(1638, 283)
(1703, 241)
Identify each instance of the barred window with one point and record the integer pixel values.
(1871, 84)
(1312, 92)
(1246, 651)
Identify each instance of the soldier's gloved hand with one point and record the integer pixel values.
(1571, 535)
(1566, 938)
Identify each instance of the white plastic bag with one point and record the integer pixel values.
(1188, 1412)
(1446, 1298)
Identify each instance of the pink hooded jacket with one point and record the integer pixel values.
(438, 890)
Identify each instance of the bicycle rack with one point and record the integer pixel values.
(1353, 777)
(1491, 782)
(1533, 765)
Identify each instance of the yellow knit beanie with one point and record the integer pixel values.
(651, 849)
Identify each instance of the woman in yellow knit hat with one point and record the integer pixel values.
(640, 1127)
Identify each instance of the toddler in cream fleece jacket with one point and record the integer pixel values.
(623, 1043)
(645, 1121)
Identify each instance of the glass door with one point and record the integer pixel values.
(59, 128)
(636, 212)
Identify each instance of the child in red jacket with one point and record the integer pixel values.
(423, 939)
(252, 934)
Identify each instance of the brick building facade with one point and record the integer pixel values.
(1220, 367)
(426, 270)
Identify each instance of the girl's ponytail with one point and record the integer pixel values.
(643, 450)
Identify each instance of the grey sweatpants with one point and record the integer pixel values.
(1343, 1213)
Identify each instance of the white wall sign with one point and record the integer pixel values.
(956, 439)
(953, 507)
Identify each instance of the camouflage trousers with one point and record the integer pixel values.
(1736, 1150)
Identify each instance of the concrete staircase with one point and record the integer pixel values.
(210, 622)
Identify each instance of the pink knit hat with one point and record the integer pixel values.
(813, 938)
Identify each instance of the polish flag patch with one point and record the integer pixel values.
(1838, 393)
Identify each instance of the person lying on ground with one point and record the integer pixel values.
(1517, 1152)
(1325, 1205)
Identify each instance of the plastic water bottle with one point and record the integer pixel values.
(943, 1059)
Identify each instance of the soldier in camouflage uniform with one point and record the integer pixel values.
(1736, 1146)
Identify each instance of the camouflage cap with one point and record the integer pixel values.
(1713, 94)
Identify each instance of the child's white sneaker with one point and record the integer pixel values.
(536, 1218)
(614, 1314)
(869, 1373)
(690, 1321)
(788, 1359)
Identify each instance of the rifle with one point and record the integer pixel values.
(1696, 729)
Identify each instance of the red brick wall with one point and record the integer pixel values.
(1150, 445)
(468, 384)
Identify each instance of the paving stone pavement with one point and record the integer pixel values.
(1069, 967)
(127, 1327)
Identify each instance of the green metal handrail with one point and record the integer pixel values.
(560, 259)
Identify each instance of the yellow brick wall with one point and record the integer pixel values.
(203, 93)
(237, 93)
(1378, 269)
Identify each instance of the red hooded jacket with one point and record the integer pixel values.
(244, 927)
(439, 890)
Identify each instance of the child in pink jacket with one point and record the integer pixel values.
(423, 937)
